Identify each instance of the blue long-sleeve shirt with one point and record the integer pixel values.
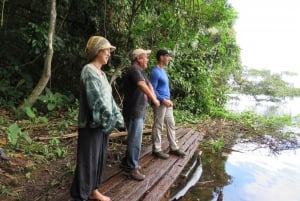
(160, 82)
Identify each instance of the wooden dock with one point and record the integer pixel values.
(160, 174)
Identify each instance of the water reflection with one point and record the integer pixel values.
(211, 182)
(249, 173)
(257, 175)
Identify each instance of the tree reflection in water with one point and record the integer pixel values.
(211, 182)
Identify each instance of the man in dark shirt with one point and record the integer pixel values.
(137, 90)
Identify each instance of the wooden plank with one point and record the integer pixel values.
(117, 176)
(159, 190)
(161, 187)
(145, 150)
(133, 190)
(164, 142)
(154, 168)
(168, 166)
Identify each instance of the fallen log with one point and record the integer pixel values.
(75, 134)
(114, 134)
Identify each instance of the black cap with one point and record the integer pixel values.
(162, 53)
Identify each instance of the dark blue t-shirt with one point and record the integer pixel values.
(135, 101)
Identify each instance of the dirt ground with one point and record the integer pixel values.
(24, 179)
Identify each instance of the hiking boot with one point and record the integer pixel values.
(137, 175)
(177, 152)
(161, 154)
(126, 169)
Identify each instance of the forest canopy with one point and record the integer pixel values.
(199, 33)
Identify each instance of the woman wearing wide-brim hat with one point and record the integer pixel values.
(98, 116)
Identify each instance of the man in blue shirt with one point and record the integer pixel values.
(164, 113)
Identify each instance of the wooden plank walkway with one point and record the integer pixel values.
(160, 174)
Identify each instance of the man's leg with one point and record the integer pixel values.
(134, 141)
(159, 115)
(170, 126)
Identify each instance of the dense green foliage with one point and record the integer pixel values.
(199, 32)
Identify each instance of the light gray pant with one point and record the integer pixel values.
(163, 114)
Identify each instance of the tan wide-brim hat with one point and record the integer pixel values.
(96, 43)
(137, 52)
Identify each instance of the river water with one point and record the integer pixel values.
(258, 176)
(249, 172)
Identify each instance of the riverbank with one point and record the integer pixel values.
(28, 175)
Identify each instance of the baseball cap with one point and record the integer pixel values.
(162, 52)
(138, 52)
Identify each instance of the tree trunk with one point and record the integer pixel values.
(47, 64)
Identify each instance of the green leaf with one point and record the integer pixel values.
(51, 106)
(13, 132)
(29, 112)
(26, 137)
(43, 119)
(59, 152)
